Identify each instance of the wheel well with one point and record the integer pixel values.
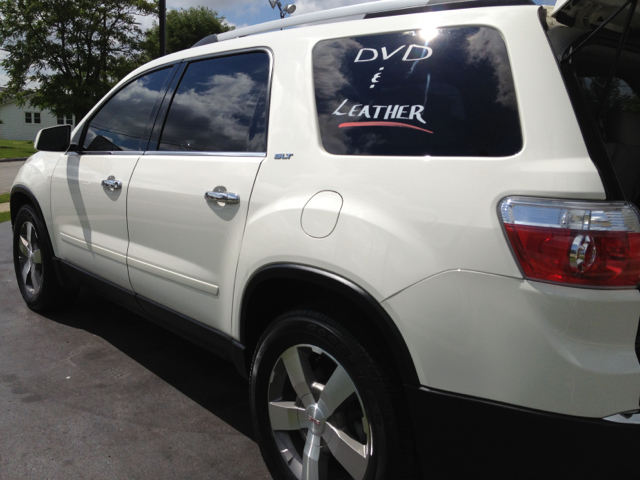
(277, 289)
(20, 196)
(18, 199)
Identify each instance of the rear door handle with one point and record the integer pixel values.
(112, 184)
(222, 197)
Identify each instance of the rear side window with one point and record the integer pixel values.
(125, 121)
(444, 92)
(220, 106)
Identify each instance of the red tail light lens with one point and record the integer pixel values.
(591, 244)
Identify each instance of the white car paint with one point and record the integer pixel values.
(421, 234)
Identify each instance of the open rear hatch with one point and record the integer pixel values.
(590, 14)
(601, 66)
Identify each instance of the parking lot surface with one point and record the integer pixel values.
(8, 171)
(98, 392)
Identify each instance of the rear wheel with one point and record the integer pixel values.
(322, 406)
(33, 262)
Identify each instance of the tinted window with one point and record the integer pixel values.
(125, 121)
(220, 106)
(446, 92)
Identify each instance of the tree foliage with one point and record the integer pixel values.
(73, 51)
(184, 29)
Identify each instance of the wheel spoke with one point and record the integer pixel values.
(35, 278)
(29, 235)
(24, 246)
(311, 458)
(351, 454)
(25, 271)
(284, 415)
(37, 256)
(337, 390)
(297, 364)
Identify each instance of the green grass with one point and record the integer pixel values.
(16, 148)
(4, 216)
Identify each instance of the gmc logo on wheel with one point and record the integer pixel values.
(317, 422)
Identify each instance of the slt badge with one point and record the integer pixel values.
(283, 156)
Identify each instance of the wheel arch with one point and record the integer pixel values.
(20, 196)
(277, 288)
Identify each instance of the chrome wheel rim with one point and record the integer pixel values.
(30, 258)
(317, 417)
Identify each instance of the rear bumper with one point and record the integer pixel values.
(464, 437)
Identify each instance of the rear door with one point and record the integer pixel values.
(89, 188)
(184, 247)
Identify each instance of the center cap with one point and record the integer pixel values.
(316, 419)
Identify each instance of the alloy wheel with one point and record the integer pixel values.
(30, 258)
(317, 416)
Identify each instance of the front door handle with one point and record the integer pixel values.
(112, 184)
(222, 197)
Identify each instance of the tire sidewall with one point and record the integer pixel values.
(300, 329)
(28, 214)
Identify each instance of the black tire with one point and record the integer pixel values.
(33, 262)
(329, 415)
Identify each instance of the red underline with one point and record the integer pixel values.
(382, 124)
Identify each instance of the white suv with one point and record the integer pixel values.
(395, 217)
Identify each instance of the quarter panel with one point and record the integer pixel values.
(547, 347)
(405, 219)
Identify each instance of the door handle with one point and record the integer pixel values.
(112, 184)
(222, 197)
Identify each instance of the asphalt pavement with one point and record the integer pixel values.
(8, 172)
(98, 392)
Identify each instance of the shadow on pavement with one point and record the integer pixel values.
(206, 379)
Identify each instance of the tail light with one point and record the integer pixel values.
(592, 244)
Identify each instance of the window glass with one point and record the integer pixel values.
(69, 119)
(60, 119)
(445, 92)
(27, 117)
(124, 123)
(36, 118)
(220, 106)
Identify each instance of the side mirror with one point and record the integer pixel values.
(53, 139)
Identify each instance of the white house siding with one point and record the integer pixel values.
(14, 126)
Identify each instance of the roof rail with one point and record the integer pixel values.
(321, 16)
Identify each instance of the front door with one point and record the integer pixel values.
(89, 189)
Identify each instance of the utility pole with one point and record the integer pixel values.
(163, 28)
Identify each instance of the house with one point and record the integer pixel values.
(23, 123)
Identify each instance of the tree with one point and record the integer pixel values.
(184, 29)
(64, 55)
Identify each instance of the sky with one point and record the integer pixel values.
(242, 13)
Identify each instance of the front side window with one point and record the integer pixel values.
(444, 92)
(125, 121)
(220, 106)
